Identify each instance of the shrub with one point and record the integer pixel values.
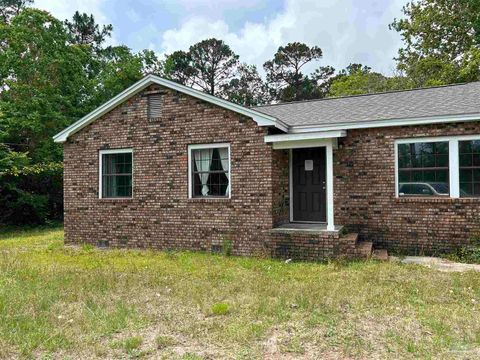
(31, 194)
(227, 247)
(469, 253)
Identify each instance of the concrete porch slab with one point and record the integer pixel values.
(304, 228)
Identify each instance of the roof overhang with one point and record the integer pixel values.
(260, 118)
(300, 129)
(303, 140)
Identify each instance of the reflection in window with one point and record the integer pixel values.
(423, 169)
(211, 173)
(469, 161)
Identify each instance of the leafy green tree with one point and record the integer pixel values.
(247, 88)
(43, 82)
(83, 30)
(440, 38)
(48, 80)
(284, 72)
(358, 79)
(178, 68)
(10, 8)
(119, 69)
(208, 65)
(323, 77)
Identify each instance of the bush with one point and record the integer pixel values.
(469, 253)
(31, 194)
(227, 247)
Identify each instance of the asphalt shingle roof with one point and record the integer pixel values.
(461, 99)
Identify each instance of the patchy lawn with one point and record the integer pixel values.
(60, 302)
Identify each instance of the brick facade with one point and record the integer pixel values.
(364, 187)
(161, 216)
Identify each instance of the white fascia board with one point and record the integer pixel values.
(299, 144)
(385, 123)
(101, 110)
(305, 136)
(260, 118)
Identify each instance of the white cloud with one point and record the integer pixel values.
(347, 31)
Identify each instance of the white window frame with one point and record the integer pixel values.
(453, 159)
(190, 170)
(100, 165)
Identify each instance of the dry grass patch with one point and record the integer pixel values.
(81, 302)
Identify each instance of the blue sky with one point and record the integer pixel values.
(346, 30)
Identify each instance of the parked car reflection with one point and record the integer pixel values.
(423, 189)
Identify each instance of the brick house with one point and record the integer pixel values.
(165, 166)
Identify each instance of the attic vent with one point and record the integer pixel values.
(154, 106)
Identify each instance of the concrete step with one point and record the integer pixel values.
(350, 237)
(380, 254)
(364, 249)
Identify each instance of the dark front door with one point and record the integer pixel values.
(308, 184)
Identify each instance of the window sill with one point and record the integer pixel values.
(435, 199)
(116, 199)
(209, 199)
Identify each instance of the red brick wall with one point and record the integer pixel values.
(160, 215)
(364, 188)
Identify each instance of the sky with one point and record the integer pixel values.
(348, 31)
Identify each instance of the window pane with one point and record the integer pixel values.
(428, 161)
(469, 159)
(404, 176)
(466, 189)
(117, 175)
(441, 147)
(427, 173)
(476, 160)
(475, 146)
(476, 189)
(404, 161)
(465, 160)
(466, 175)
(465, 147)
(442, 160)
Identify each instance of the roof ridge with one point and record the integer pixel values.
(364, 95)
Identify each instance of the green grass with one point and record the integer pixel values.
(79, 302)
(220, 308)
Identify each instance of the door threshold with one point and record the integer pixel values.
(308, 222)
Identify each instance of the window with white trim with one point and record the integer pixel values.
(438, 166)
(423, 169)
(209, 170)
(116, 173)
